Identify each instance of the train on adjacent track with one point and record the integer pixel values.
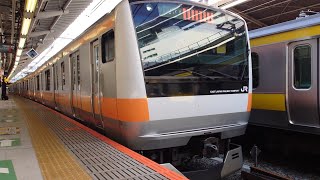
(153, 74)
(285, 59)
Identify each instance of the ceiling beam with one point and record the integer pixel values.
(49, 14)
(40, 33)
(249, 18)
(288, 12)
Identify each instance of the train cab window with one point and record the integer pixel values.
(47, 80)
(108, 47)
(302, 67)
(255, 69)
(63, 80)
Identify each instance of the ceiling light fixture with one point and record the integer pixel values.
(19, 52)
(25, 26)
(31, 5)
(17, 60)
(22, 42)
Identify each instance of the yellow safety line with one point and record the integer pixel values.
(54, 160)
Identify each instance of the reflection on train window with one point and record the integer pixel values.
(189, 50)
(302, 67)
(255, 69)
(63, 80)
(47, 79)
(108, 46)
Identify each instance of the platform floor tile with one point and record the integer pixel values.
(20, 151)
(55, 161)
(51, 130)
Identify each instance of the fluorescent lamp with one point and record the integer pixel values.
(19, 52)
(17, 59)
(22, 42)
(91, 14)
(31, 5)
(25, 26)
(234, 3)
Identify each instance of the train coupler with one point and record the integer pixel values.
(216, 167)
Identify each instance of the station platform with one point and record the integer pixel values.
(40, 143)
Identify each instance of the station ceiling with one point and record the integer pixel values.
(52, 17)
(261, 13)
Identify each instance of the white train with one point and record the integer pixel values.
(153, 74)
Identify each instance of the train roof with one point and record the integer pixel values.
(286, 26)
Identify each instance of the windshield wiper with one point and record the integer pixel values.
(223, 74)
(194, 72)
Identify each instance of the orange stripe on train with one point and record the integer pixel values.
(249, 102)
(130, 110)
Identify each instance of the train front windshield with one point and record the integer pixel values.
(188, 50)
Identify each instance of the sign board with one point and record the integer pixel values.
(6, 48)
(32, 53)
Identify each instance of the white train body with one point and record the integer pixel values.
(153, 74)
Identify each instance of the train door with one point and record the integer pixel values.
(303, 83)
(75, 79)
(95, 69)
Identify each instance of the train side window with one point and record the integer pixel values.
(47, 79)
(57, 78)
(78, 71)
(255, 69)
(38, 83)
(302, 67)
(63, 80)
(41, 81)
(108, 47)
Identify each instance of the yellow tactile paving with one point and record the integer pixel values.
(54, 160)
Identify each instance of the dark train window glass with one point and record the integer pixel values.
(302, 67)
(41, 81)
(63, 80)
(47, 79)
(108, 47)
(189, 50)
(38, 83)
(54, 77)
(73, 63)
(57, 78)
(255, 69)
(78, 70)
